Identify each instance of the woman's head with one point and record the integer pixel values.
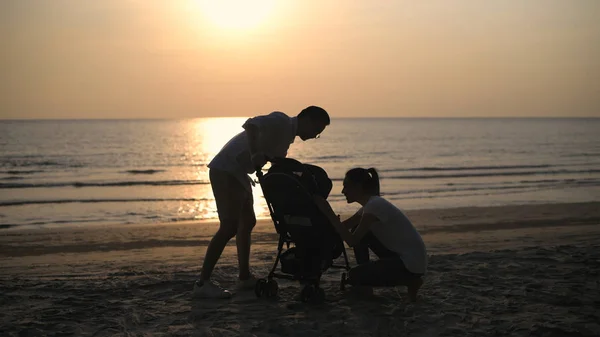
(360, 184)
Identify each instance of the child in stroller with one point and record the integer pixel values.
(288, 188)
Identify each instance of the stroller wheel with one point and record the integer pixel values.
(307, 293)
(271, 288)
(260, 287)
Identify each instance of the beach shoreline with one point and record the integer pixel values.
(15, 242)
(512, 270)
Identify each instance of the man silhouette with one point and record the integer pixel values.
(267, 136)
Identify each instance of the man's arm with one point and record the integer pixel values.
(253, 134)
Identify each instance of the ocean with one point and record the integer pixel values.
(83, 172)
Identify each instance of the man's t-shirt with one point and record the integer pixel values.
(276, 132)
(395, 231)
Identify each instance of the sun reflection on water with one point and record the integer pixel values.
(209, 135)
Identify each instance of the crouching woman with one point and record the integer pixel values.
(382, 228)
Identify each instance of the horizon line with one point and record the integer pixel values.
(347, 117)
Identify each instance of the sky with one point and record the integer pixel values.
(355, 58)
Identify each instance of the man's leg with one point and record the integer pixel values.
(243, 237)
(216, 246)
(229, 194)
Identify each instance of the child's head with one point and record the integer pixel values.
(360, 184)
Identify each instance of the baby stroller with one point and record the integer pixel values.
(288, 188)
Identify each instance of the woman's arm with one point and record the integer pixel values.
(363, 228)
(352, 239)
(353, 221)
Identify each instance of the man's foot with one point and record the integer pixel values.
(247, 284)
(413, 289)
(209, 289)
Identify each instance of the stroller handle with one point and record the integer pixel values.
(259, 173)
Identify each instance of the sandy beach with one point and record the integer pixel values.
(496, 271)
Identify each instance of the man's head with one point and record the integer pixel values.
(311, 122)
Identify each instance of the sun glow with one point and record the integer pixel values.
(209, 136)
(237, 14)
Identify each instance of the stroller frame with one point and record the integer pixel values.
(311, 292)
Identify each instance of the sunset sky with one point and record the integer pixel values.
(355, 58)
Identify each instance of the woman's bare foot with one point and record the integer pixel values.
(413, 289)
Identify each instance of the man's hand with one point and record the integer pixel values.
(259, 160)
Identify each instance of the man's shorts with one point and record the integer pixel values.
(234, 201)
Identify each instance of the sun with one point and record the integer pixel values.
(237, 14)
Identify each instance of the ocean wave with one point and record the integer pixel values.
(492, 174)
(330, 158)
(584, 154)
(87, 201)
(468, 193)
(106, 184)
(150, 171)
(510, 188)
(17, 162)
(22, 172)
(554, 183)
(69, 221)
(483, 174)
(469, 168)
